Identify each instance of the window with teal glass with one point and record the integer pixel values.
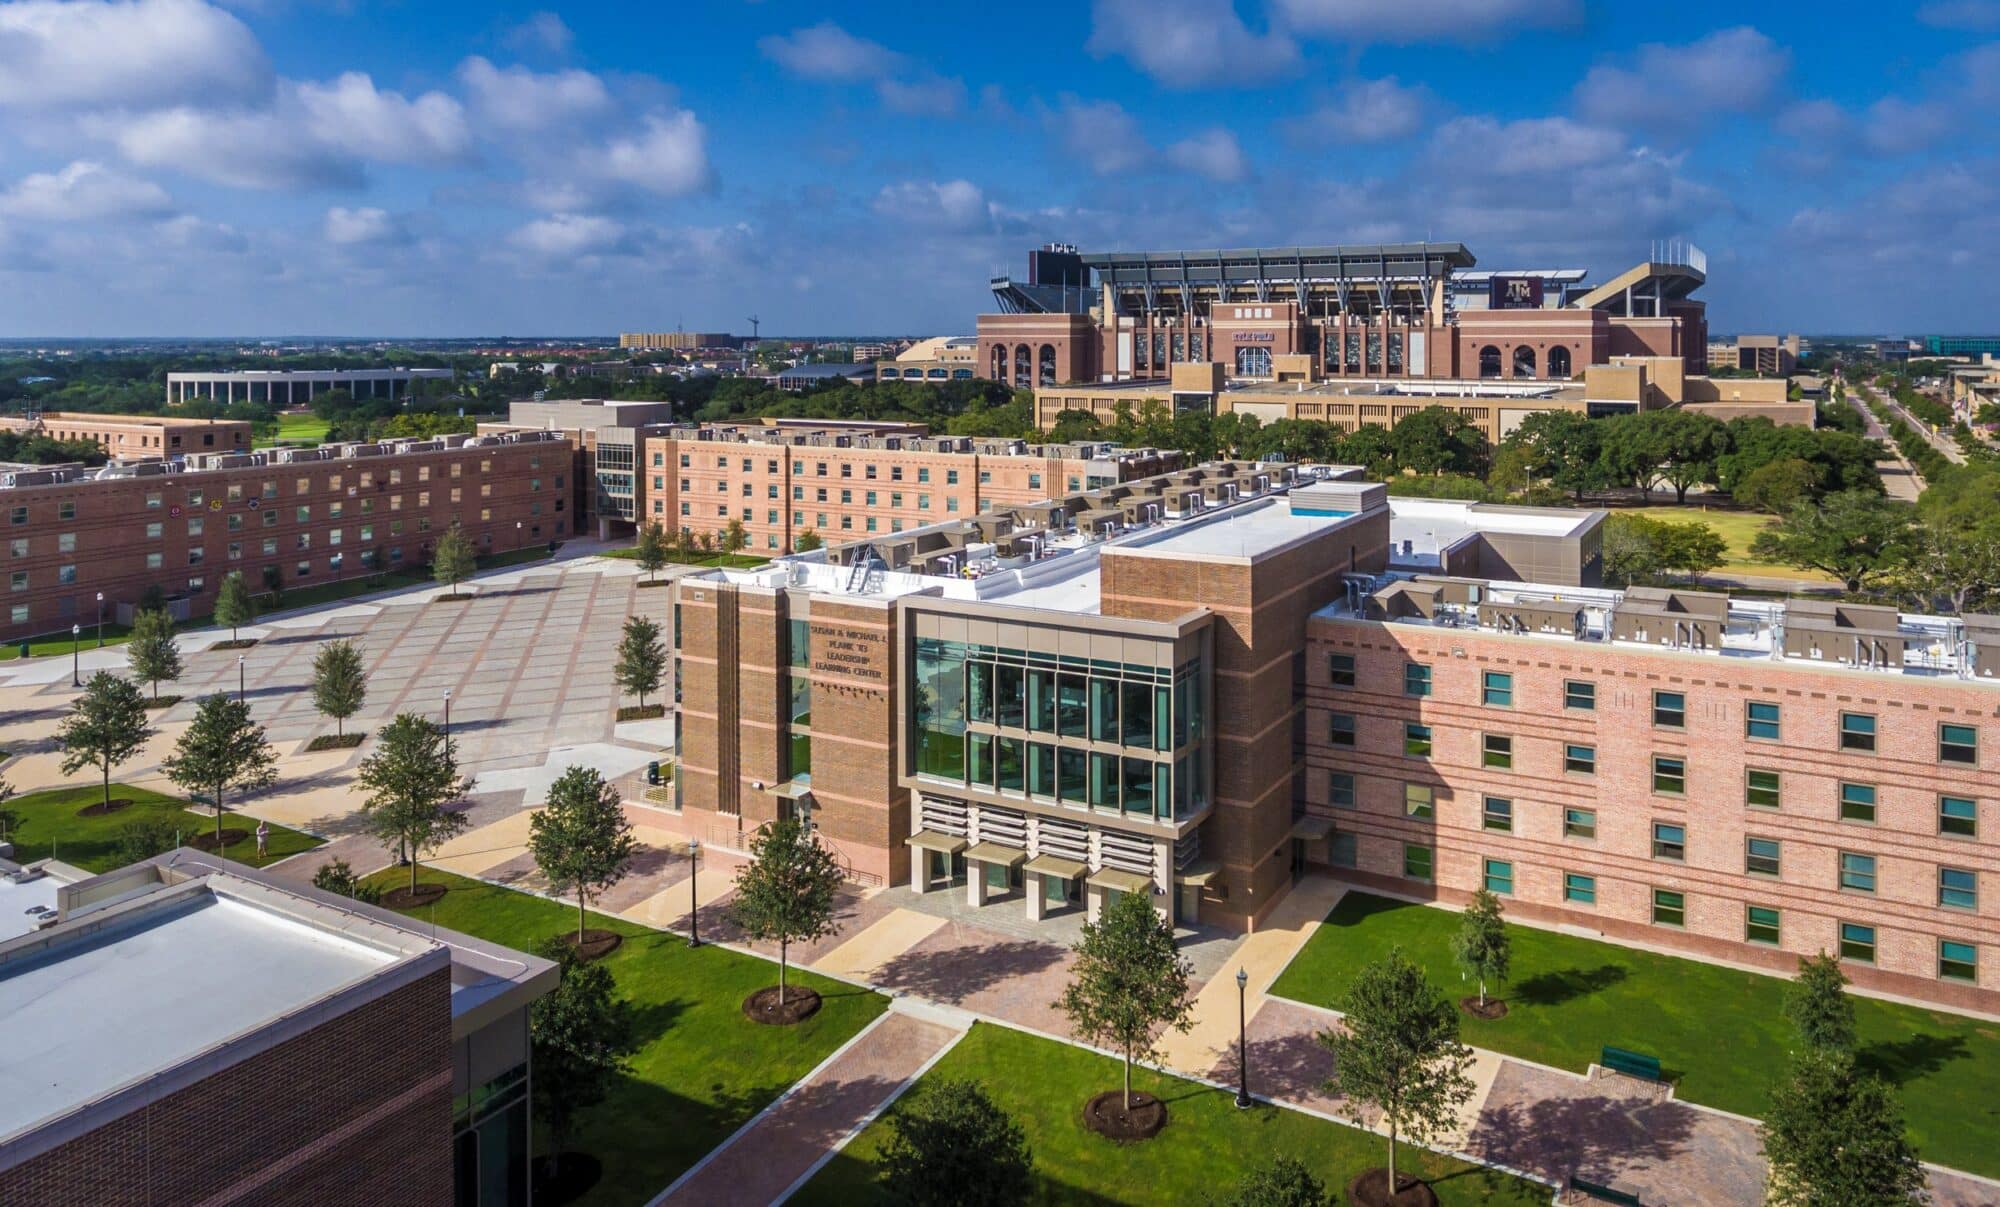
(1760, 856)
(1579, 823)
(1669, 908)
(1416, 739)
(1580, 760)
(1857, 802)
(1041, 700)
(1580, 695)
(1340, 729)
(1499, 877)
(1857, 942)
(1041, 769)
(798, 641)
(1416, 679)
(979, 759)
(1104, 781)
(1857, 872)
(1497, 813)
(1761, 721)
(1670, 710)
(1136, 701)
(1958, 888)
(1579, 888)
(1103, 709)
(1072, 705)
(1010, 696)
(979, 691)
(1340, 670)
(1497, 689)
(1139, 786)
(1669, 775)
(1070, 775)
(1760, 925)
(1669, 841)
(1857, 732)
(1957, 961)
(1012, 763)
(1958, 815)
(1958, 744)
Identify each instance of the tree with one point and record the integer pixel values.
(106, 726)
(1816, 1004)
(733, 537)
(1852, 535)
(651, 552)
(1399, 1052)
(1689, 443)
(234, 605)
(1778, 486)
(952, 1144)
(806, 541)
(410, 779)
(1953, 565)
(1834, 1138)
(583, 1037)
(151, 652)
(642, 658)
(1074, 427)
(1280, 1182)
(453, 561)
(580, 838)
(1439, 440)
(785, 894)
(1693, 547)
(1129, 981)
(340, 681)
(142, 839)
(338, 877)
(222, 749)
(1563, 448)
(1481, 946)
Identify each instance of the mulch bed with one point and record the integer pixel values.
(206, 840)
(1494, 1008)
(241, 643)
(408, 898)
(565, 1177)
(454, 597)
(636, 713)
(336, 741)
(800, 1005)
(163, 702)
(1106, 1115)
(656, 582)
(596, 943)
(1371, 1189)
(100, 808)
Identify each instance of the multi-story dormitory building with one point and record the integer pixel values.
(852, 481)
(1200, 684)
(290, 517)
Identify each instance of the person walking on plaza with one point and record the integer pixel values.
(263, 837)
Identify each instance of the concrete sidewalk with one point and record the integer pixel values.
(790, 1139)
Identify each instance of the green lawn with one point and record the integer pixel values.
(1718, 1031)
(63, 643)
(704, 1069)
(725, 561)
(1208, 1144)
(52, 827)
(1738, 529)
(298, 429)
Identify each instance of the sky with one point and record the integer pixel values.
(433, 168)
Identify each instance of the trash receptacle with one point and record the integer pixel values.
(25, 649)
(653, 772)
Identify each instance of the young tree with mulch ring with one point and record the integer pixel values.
(1281, 1182)
(1397, 1050)
(106, 726)
(221, 750)
(651, 552)
(785, 895)
(409, 780)
(151, 652)
(642, 658)
(583, 844)
(583, 1040)
(950, 1145)
(1482, 950)
(1834, 1137)
(453, 560)
(235, 607)
(1129, 982)
(1817, 1005)
(339, 685)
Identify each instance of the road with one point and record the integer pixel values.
(1943, 444)
(1899, 477)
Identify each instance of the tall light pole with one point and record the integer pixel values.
(239, 678)
(694, 897)
(447, 723)
(100, 620)
(1242, 1041)
(76, 655)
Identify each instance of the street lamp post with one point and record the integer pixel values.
(239, 679)
(447, 723)
(76, 655)
(1242, 1041)
(694, 897)
(100, 620)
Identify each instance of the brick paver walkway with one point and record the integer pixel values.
(759, 1164)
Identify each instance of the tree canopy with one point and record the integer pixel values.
(1129, 981)
(580, 838)
(786, 893)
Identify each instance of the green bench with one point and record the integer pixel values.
(1632, 1064)
(1599, 1190)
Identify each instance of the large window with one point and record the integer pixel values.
(1857, 732)
(1761, 721)
(1580, 694)
(1857, 872)
(1957, 961)
(1669, 908)
(1496, 750)
(1958, 888)
(1959, 816)
(1760, 856)
(1418, 861)
(1760, 788)
(1670, 710)
(1340, 670)
(1579, 823)
(1579, 888)
(1416, 739)
(1497, 813)
(1496, 688)
(1669, 775)
(1499, 877)
(1416, 679)
(1340, 729)
(1669, 841)
(1760, 925)
(1857, 942)
(1857, 802)
(1958, 744)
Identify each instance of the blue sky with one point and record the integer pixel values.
(180, 167)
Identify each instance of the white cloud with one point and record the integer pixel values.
(1407, 21)
(542, 31)
(1099, 133)
(99, 53)
(83, 192)
(352, 114)
(518, 100)
(1969, 16)
(1736, 70)
(828, 52)
(365, 224)
(930, 96)
(1213, 153)
(250, 150)
(1366, 111)
(668, 156)
(1188, 43)
(567, 235)
(1525, 147)
(956, 206)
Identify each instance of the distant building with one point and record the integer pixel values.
(1765, 355)
(674, 341)
(937, 359)
(1961, 345)
(290, 387)
(805, 377)
(135, 437)
(606, 435)
(207, 1033)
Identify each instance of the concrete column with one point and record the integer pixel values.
(1093, 902)
(975, 884)
(1036, 888)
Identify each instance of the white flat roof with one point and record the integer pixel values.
(17, 899)
(1237, 532)
(142, 996)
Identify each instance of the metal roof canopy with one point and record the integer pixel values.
(1363, 262)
